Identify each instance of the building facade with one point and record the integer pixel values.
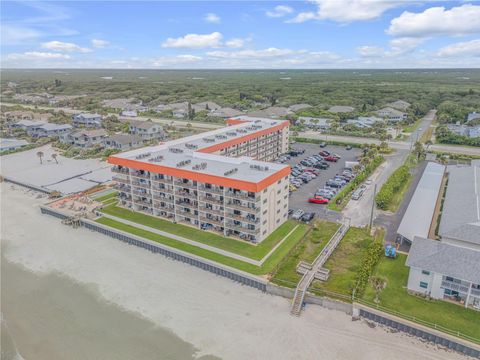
(219, 180)
(87, 120)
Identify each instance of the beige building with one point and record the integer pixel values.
(218, 181)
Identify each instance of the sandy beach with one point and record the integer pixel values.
(216, 316)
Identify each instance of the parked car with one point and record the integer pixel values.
(290, 212)
(331, 158)
(321, 165)
(349, 147)
(333, 183)
(318, 200)
(323, 144)
(307, 217)
(324, 194)
(324, 153)
(298, 214)
(358, 194)
(312, 171)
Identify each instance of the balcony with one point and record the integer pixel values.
(165, 189)
(163, 180)
(211, 190)
(210, 200)
(141, 185)
(140, 192)
(211, 221)
(242, 207)
(192, 204)
(454, 286)
(163, 198)
(242, 229)
(121, 180)
(119, 171)
(211, 211)
(191, 193)
(159, 206)
(186, 185)
(242, 218)
(244, 196)
(139, 175)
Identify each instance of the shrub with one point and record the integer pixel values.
(373, 253)
(394, 183)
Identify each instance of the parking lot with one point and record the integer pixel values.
(299, 198)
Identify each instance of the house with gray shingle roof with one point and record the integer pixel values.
(298, 107)
(147, 130)
(392, 114)
(122, 142)
(341, 109)
(400, 105)
(449, 268)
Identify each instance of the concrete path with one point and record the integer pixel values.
(199, 244)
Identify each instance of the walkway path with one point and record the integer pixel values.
(321, 259)
(198, 244)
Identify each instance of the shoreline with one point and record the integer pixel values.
(240, 322)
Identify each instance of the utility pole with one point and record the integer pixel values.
(373, 205)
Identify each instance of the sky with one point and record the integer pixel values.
(315, 34)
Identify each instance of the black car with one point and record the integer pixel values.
(307, 217)
(349, 147)
(321, 166)
(323, 144)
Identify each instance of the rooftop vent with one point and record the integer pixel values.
(143, 156)
(259, 167)
(220, 136)
(200, 166)
(157, 158)
(175, 150)
(210, 140)
(230, 172)
(191, 146)
(242, 131)
(231, 133)
(183, 163)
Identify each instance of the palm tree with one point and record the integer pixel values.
(40, 156)
(428, 143)
(54, 157)
(378, 284)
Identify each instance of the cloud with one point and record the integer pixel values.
(212, 18)
(459, 20)
(64, 47)
(175, 61)
(36, 55)
(467, 48)
(195, 41)
(235, 43)
(370, 51)
(346, 11)
(99, 44)
(279, 11)
(405, 45)
(250, 54)
(17, 34)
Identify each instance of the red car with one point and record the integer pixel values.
(312, 171)
(324, 153)
(331, 158)
(318, 200)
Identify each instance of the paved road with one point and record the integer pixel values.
(178, 123)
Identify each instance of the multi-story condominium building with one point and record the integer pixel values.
(219, 180)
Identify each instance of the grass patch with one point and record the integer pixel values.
(307, 250)
(345, 263)
(412, 127)
(104, 198)
(395, 298)
(399, 195)
(268, 266)
(256, 252)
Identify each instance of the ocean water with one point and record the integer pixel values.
(49, 317)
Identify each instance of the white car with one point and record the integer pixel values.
(298, 214)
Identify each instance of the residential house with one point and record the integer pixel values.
(298, 107)
(314, 123)
(26, 125)
(87, 120)
(225, 113)
(465, 130)
(147, 130)
(206, 106)
(49, 130)
(449, 268)
(273, 112)
(341, 109)
(180, 113)
(12, 144)
(122, 142)
(85, 138)
(392, 114)
(19, 115)
(129, 113)
(473, 116)
(400, 105)
(365, 121)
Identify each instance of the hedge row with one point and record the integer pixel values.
(328, 142)
(373, 253)
(352, 185)
(392, 186)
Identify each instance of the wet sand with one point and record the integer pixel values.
(103, 297)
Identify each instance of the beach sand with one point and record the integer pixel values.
(218, 317)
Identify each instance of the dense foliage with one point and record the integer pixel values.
(372, 256)
(445, 136)
(394, 183)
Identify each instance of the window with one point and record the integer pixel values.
(448, 278)
(423, 285)
(279, 181)
(264, 212)
(264, 222)
(265, 201)
(425, 272)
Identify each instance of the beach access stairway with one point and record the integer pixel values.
(316, 269)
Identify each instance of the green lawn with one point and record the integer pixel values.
(307, 250)
(104, 198)
(395, 298)
(268, 266)
(412, 127)
(256, 252)
(344, 263)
